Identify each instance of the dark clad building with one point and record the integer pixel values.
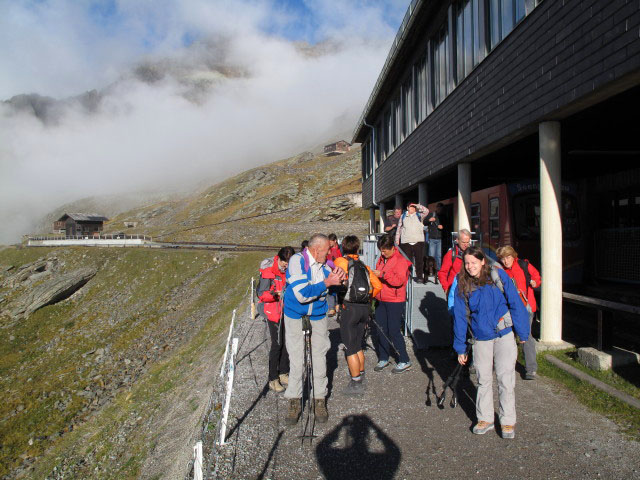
(478, 93)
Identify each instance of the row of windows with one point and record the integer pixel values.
(477, 26)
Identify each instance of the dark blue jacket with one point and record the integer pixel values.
(488, 304)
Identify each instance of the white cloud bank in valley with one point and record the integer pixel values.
(147, 135)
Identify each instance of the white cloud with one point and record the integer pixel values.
(148, 136)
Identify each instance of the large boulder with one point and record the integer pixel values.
(52, 291)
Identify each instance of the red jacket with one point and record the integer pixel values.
(334, 252)
(394, 273)
(272, 280)
(517, 273)
(449, 268)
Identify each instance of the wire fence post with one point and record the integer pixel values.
(226, 348)
(227, 400)
(197, 461)
(253, 305)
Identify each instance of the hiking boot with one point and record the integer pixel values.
(284, 379)
(294, 411)
(320, 410)
(530, 376)
(508, 431)
(401, 367)
(276, 386)
(380, 365)
(482, 427)
(354, 388)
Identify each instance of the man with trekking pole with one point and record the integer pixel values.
(308, 280)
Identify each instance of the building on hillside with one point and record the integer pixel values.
(80, 224)
(527, 101)
(58, 226)
(337, 148)
(130, 224)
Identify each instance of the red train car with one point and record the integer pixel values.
(509, 214)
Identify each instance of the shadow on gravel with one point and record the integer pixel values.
(358, 449)
(441, 362)
(261, 395)
(271, 454)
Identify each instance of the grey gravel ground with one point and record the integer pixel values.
(390, 432)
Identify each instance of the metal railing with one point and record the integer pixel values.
(601, 306)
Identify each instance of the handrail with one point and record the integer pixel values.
(600, 305)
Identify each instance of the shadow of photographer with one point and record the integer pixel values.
(358, 448)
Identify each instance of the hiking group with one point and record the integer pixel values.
(487, 305)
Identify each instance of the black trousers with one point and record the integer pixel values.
(353, 319)
(416, 255)
(278, 356)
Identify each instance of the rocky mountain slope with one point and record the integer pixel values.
(108, 356)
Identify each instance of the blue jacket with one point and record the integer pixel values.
(303, 297)
(488, 305)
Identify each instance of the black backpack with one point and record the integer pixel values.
(358, 286)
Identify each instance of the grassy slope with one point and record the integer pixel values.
(43, 372)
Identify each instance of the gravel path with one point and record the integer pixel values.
(391, 432)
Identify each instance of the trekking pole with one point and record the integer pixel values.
(372, 317)
(308, 385)
(454, 378)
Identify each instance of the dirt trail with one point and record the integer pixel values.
(391, 433)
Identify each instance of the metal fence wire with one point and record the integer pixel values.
(617, 254)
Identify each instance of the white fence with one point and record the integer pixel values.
(112, 240)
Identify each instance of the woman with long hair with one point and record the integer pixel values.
(490, 314)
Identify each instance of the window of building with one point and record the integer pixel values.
(467, 37)
(407, 110)
(504, 15)
(397, 121)
(420, 91)
(440, 68)
(379, 141)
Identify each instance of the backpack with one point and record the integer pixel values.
(524, 265)
(358, 285)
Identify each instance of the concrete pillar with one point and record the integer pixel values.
(550, 233)
(372, 220)
(399, 201)
(423, 199)
(383, 215)
(464, 197)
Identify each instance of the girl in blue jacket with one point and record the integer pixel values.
(478, 301)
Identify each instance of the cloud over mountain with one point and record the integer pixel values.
(158, 95)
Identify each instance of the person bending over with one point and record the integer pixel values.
(271, 286)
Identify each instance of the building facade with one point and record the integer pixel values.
(476, 93)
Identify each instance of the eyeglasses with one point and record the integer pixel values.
(464, 243)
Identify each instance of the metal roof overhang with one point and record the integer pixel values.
(402, 48)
